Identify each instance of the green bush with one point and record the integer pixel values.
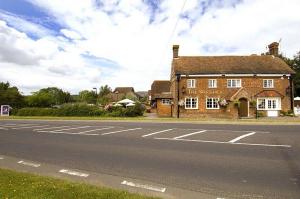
(64, 110)
(133, 111)
(81, 109)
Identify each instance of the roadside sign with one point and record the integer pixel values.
(5, 110)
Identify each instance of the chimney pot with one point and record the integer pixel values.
(175, 51)
(273, 48)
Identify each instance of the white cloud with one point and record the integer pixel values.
(120, 31)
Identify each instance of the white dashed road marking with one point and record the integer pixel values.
(156, 132)
(27, 127)
(1, 158)
(61, 130)
(57, 127)
(74, 173)
(186, 135)
(241, 137)
(29, 164)
(217, 142)
(83, 132)
(80, 127)
(152, 188)
(120, 131)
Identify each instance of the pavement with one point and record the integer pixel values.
(170, 160)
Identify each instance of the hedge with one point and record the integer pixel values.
(82, 110)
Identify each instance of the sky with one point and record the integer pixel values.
(83, 44)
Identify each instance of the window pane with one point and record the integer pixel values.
(229, 83)
(238, 83)
(274, 104)
(188, 103)
(269, 104)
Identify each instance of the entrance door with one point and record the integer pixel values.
(243, 109)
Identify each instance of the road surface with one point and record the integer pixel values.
(219, 161)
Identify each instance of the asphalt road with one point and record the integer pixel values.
(225, 161)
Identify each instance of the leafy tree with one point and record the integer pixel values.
(10, 95)
(295, 65)
(47, 97)
(104, 90)
(89, 97)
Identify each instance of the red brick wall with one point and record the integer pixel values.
(252, 85)
(163, 110)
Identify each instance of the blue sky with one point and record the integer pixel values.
(77, 45)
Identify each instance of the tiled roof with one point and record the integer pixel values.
(254, 64)
(160, 88)
(123, 89)
(269, 93)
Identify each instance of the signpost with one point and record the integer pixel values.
(5, 110)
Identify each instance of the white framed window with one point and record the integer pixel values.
(166, 101)
(191, 103)
(191, 83)
(268, 83)
(212, 83)
(212, 103)
(234, 83)
(269, 103)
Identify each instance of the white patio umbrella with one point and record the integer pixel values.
(125, 101)
(130, 104)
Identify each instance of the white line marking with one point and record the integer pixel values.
(80, 127)
(217, 142)
(51, 128)
(27, 127)
(186, 135)
(29, 164)
(68, 133)
(3, 128)
(156, 132)
(16, 125)
(120, 131)
(152, 188)
(74, 173)
(241, 137)
(225, 130)
(1, 158)
(83, 132)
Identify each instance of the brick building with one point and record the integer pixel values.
(161, 98)
(230, 86)
(122, 92)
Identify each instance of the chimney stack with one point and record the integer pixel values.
(273, 48)
(175, 51)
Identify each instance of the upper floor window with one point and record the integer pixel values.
(191, 103)
(166, 101)
(268, 83)
(234, 83)
(212, 103)
(212, 83)
(191, 83)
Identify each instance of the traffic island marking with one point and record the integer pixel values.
(29, 164)
(73, 173)
(143, 186)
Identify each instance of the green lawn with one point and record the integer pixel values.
(23, 185)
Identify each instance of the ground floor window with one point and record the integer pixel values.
(191, 103)
(166, 101)
(212, 103)
(268, 103)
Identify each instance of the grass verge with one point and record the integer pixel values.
(23, 185)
